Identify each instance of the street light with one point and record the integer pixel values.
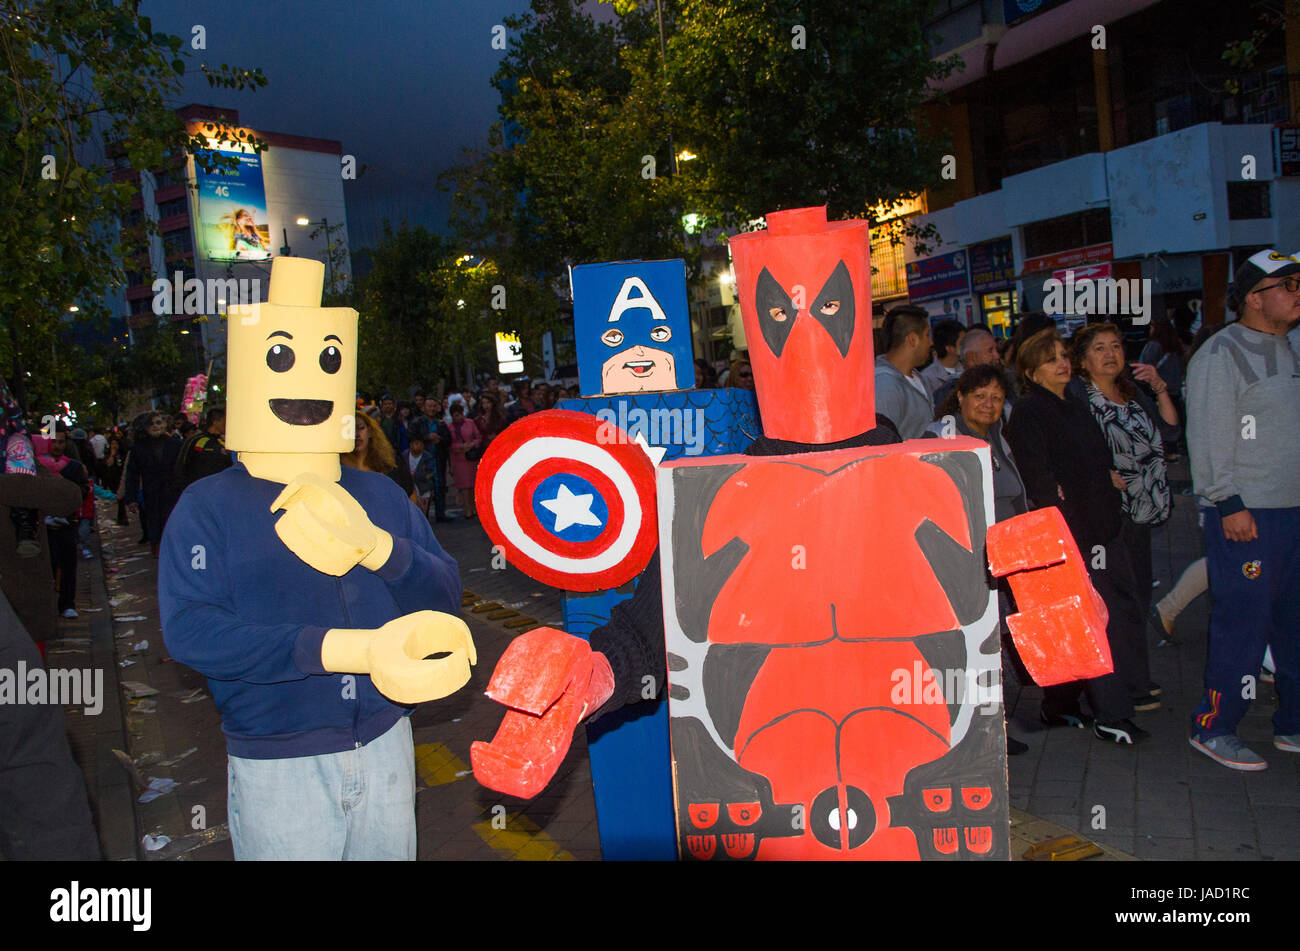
(329, 257)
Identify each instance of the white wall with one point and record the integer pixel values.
(297, 183)
(981, 218)
(950, 237)
(1286, 214)
(1063, 188)
(301, 183)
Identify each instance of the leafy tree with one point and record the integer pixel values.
(564, 179)
(609, 134)
(398, 345)
(86, 94)
(789, 103)
(1242, 55)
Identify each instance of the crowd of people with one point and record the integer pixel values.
(431, 445)
(1078, 425)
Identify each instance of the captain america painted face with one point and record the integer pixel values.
(632, 327)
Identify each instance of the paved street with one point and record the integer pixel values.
(1160, 801)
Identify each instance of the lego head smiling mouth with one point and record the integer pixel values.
(301, 412)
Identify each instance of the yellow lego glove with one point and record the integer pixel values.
(394, 655)
(327, 528)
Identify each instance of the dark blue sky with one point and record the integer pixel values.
(403, 84)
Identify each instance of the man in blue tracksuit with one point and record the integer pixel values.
(1243, 432)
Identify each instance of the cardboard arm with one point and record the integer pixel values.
(1060, 630)
(551, 680)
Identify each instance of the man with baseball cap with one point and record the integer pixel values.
(1243, 430)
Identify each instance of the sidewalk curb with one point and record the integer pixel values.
(119, 832)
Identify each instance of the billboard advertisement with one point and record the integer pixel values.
(233, 222)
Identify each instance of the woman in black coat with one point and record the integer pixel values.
(1065, 461)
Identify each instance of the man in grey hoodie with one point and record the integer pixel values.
(1243, 432)
(901, 395)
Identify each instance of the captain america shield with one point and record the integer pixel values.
(570, 499)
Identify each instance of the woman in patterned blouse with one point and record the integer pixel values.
(1137, 427)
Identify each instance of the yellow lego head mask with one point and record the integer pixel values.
(292, 367)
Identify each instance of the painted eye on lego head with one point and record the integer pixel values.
(612, 337)
(279, 358)
(778, 314)
(660, 334)
(830, 308)
(331, 359)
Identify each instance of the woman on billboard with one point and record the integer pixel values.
(244, 235)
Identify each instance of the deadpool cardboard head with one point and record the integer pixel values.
(805, 298)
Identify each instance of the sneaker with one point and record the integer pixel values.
(28, 549)
(1288, 744)
(1146, 702)
(1119, 731)
(1074, 718)
(1163, 630)
(1154, 688)
(70, 613)
(1229, 751)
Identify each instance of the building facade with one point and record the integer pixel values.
(217, 233)
(1105, 139)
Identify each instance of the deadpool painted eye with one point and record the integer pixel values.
(660, 334)
(836, 301)
(331, 359)
(776, 311)
(612, 337)
(279, 358)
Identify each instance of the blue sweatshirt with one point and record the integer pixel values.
(241, 609)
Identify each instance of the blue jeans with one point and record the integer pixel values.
(355, 805)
